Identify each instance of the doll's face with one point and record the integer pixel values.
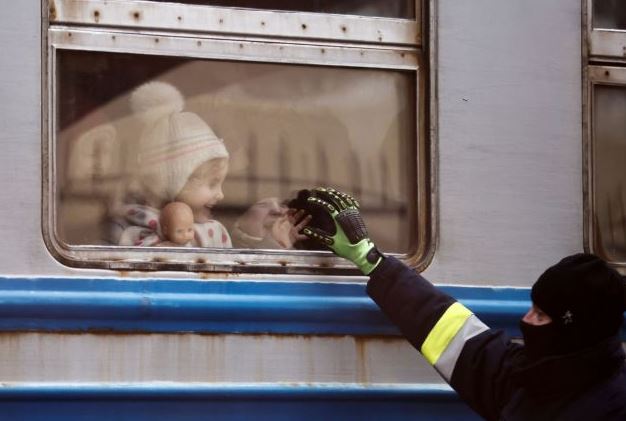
(177, 223)
(203, 189)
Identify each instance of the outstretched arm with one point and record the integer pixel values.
(471, 357)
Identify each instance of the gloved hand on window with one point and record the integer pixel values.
(349, 238)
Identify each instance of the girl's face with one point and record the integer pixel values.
(204, 188)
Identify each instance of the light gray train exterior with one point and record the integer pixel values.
(508, 201)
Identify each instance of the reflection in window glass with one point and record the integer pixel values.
(380, 8)
(609, 14)
(234, 141)
(610, 172)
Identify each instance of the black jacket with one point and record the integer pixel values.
(491, 373)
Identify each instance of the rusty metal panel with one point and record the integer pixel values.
(122, 358)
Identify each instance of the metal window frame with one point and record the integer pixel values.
(78, 32)
(146, 15)
(595, 75)
(604, 44)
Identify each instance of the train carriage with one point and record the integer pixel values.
(484, 140)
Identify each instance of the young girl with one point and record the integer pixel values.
(179, 159)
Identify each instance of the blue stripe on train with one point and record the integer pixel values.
(158, 305)
(231, 402)
(211, 306)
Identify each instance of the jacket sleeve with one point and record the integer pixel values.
(472, 358)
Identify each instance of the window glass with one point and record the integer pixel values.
(609, 14)
(610, 171)
(379, 8)
(234, 141)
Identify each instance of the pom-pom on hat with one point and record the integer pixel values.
(155, 99)
(173, 142)
(584, 297)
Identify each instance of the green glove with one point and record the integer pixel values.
(350, 239)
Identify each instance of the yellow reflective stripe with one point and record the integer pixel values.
(444, 331)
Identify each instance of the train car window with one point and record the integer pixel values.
(609, 14)
(404, 9)
(281, 129)
(608, 155)
(606, 29)
(181, 150)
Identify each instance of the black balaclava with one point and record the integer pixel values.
(586, 300)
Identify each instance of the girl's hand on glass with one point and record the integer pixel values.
(298, 219)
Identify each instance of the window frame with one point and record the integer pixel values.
(178, 17)
(596, 75)
(604, 44)
(75, 25)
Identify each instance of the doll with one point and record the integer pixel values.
(179, 159)
(177, 226)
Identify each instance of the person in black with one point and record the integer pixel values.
(571, 366)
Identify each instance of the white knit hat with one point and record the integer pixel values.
(173, 143)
